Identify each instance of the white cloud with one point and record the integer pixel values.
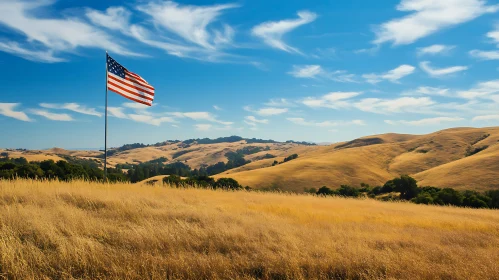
(481, 90)
(148, 119)
(423, 90)
(75, 107)
(485, 55)
(429, 17)
(334, 100)
(398, 105)
(33, 55)
(252, 120)
(200, 116)
(217, 108)
(48, 36)
(428, 121)
(117, 112)
(203, 127)
(279, 102)
(438, 72)
(306, 71)
(494, 35)
(271, 32)
(136, 106)
(7, 109)
(302, 121)
(115, 18)
(191, 22)
(315, 71)
(51, 116)
(486, 118)
(393, 75)
(435, 49)
(267, 111)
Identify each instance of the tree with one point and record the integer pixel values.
(449, 196)
(407, 186)
(494, 198)
(345, 190)
(228, 184)
(423, 198)
(4, 155)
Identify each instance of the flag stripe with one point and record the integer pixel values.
(130, 96)
(131, 79)
(136, 76)
(131, 91)
(130, 84)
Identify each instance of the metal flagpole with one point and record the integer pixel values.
(105, 132)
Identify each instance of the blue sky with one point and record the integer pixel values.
(322, 71)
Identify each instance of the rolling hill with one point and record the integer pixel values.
(461, 158)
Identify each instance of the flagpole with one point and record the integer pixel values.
(105, 133)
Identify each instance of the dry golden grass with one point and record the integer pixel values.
(88, 231)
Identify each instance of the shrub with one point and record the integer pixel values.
(291, 157)
(325, 191)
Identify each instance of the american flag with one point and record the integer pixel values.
(128, 84)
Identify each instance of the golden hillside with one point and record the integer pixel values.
(441, 159)
(82, 230)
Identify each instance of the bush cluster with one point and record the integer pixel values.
(406, 188)
(203, 182)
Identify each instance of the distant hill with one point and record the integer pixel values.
(461, 158)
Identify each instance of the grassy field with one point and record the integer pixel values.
(123, 231)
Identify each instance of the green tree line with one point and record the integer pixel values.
(406, 188)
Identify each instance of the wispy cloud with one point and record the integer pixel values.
(114, 18)
(75, 107)
(439, 72)
(8, 110)
(203, 127)
(51, 116)
(200, 116)
(253, 121)
(190, 22)
(187, 31)
(302, 121)
(485, 55)
(316, 71)
(117, 112)
(152, 120)
(279, 102)
(217, 108)
(333, 100)
(393, 75)
(14, 48)
(136, 106)
(423, 90)
(429, 17)
(481, 90)
(271, 32)
(424, 122)
(267, 111)
(47, 37)
(486, 118)
(306, 71)
(397, 105)
(435, 49)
